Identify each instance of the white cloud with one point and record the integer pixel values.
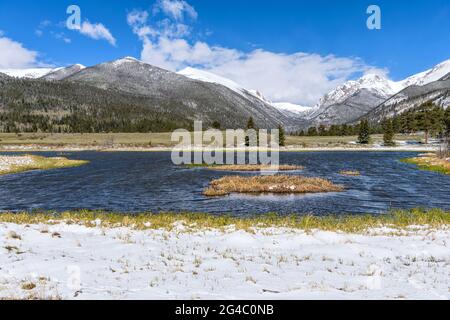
(301, 78)
(382, 72)
(14, 55)
(176, 9)
(137, 17)
(97, 31)
(61, 36)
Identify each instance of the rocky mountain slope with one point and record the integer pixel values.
(374, 96)
(437, 92)
(190, 98)
(144, 96)
(434, 74)
(193, 94)
(63, 73)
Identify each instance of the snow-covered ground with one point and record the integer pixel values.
(6, 162)
(76, 262)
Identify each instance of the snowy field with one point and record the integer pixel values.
(75, 262)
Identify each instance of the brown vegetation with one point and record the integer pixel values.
(353, 173)
(270, 184)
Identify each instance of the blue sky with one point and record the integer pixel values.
(328, 40)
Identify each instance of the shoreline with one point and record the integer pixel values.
(58, 259)
(78, 148)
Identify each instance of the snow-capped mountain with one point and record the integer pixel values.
(200, 96)
(436, 92)
(354, 99)
(378, 84)
(62, 73)
(33, 73)
(290, 110)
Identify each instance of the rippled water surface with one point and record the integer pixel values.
(136, 182)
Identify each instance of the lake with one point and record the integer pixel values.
(148, 181)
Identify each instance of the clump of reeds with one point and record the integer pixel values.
(351, 173)
(270, 184)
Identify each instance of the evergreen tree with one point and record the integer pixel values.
(251, 123)
(312, 131)
(447, 121)
(424, 121)
(411, 122)
(250, 126)
(281, 136)
(216, 125)
(322, 130)
(364, 132)
(388, 135)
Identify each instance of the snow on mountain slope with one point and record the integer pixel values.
(186, 98)
(379, 85)
(292, 108)
(206, 76)
(426, 77)
(33, 73)
(62, 73)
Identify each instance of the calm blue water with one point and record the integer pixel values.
(136, 182)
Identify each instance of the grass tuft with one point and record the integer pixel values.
(351, 173)
(270, 184)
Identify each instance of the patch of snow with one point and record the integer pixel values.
(381, 85)
(290, 107)
(125, 60)
(76, 262)
(34, 73)
(206, 76)
(7, 162)
(431, 75)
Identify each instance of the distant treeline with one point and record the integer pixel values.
(428, 118)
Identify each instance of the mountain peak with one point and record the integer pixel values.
(129, 59)
(373, 82)
(126, 60)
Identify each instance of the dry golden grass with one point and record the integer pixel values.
(193, 222)
(352, 173)
(255, 167)
(270, 184)
(430, 162)
(43, 163)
